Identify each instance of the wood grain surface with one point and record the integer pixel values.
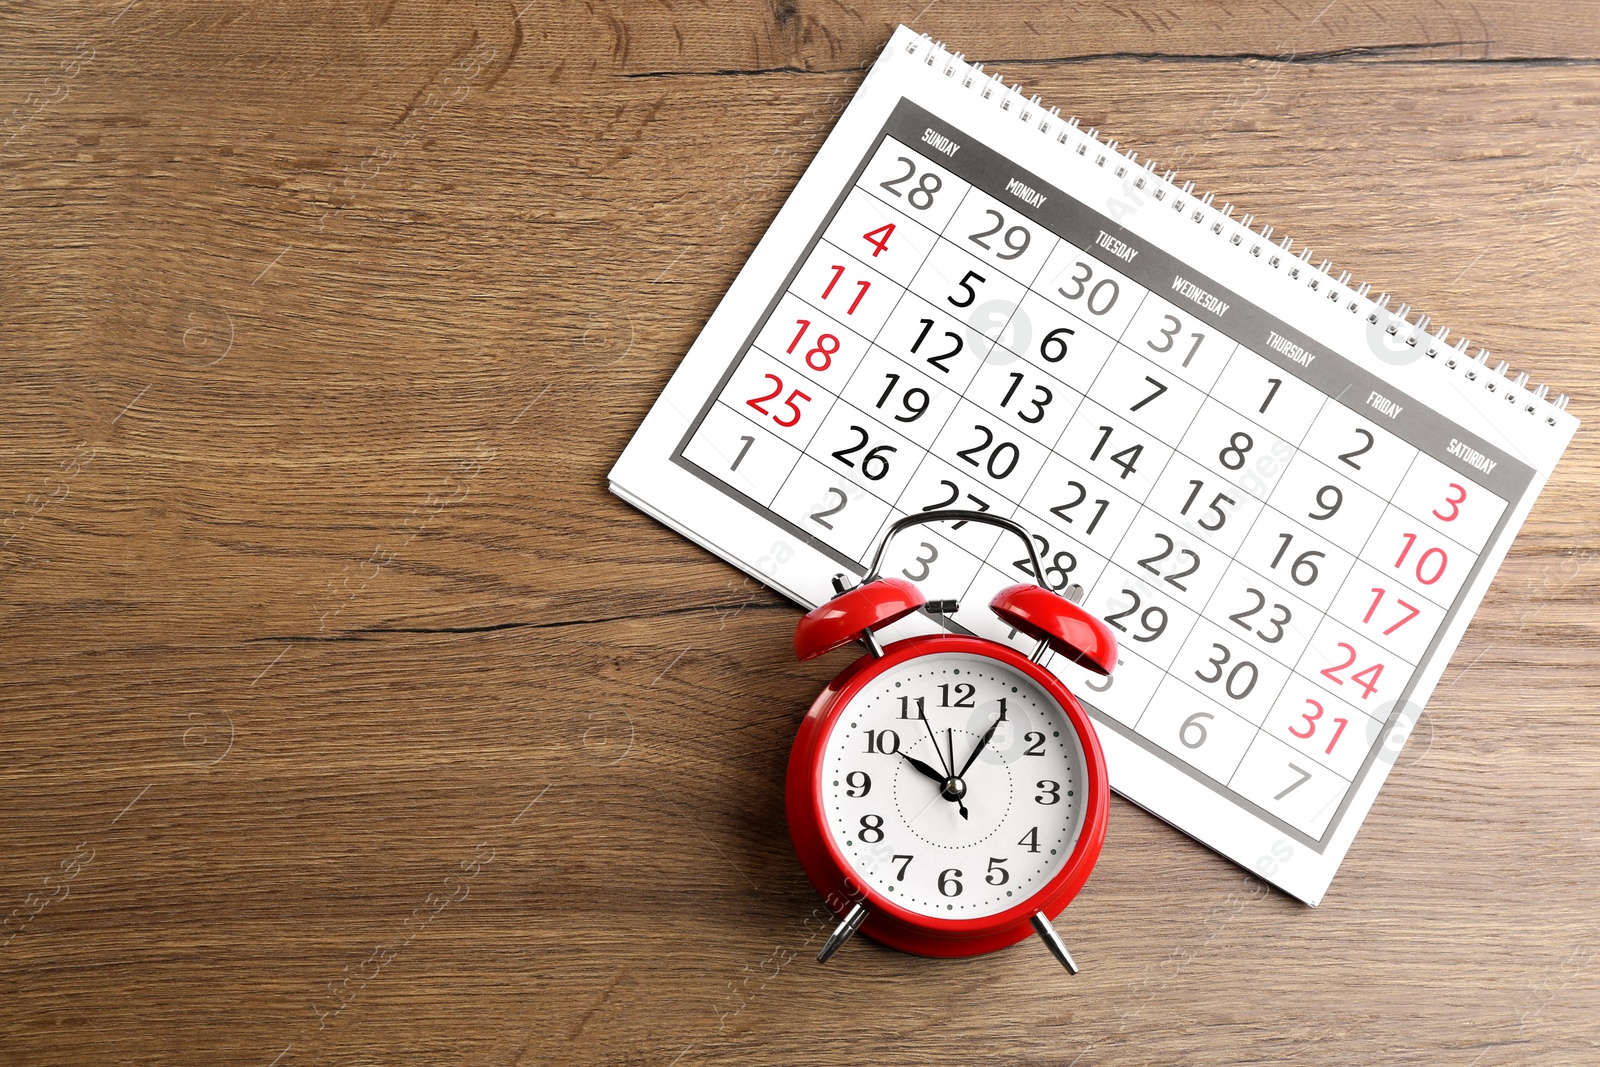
(347, 719)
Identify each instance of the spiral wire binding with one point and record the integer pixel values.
(1221, 223)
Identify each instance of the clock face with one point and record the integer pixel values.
(930, 819)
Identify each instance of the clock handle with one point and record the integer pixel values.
(1053, 942)
(1072, 593)
(949, 515)
(842, 933)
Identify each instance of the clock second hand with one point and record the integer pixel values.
(947, 766)
(976, 749)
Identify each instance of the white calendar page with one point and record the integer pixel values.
(1287, 501)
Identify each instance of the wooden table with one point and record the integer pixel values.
(348, 719)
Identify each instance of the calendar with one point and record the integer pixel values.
(1286, 497)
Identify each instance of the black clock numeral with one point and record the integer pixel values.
(902, 875)
(871, 832)
(883, 742)
(964, 695)
(996, 869)
(1051, 792)
(950, 882)
(1031, 840)
(859, 783)
(1035, 741)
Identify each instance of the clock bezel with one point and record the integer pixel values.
(889, 922)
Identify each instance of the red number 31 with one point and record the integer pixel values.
(1311, 718)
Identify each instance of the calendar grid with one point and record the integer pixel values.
(1390, 502)
(1121, 339)
(1144, 506)
(1016, 503)
(1275, 454)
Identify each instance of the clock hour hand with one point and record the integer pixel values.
(949, 788)
(925, 770)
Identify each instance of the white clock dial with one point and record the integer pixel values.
(900, 826)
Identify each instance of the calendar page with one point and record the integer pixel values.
(1285, 499)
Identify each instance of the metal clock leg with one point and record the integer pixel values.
(841, 933)
(1052, 941)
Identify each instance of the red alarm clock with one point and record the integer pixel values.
(946, 794)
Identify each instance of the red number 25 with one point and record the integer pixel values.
(777, 387)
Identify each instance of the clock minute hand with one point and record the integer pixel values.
(936, 750)
(982, 741)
